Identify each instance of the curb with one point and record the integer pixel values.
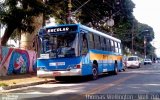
(24, 85)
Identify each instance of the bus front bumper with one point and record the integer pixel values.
(72, 72)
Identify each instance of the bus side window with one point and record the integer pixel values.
(108, 44)
(91, 41)
(116, 47)
(97, 42)
(112, 46)
(105, 47)
(102, 43)
(84, 44)
(119, 47)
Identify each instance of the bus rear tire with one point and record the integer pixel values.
(115, 72)
(94, 72)
(139, 66)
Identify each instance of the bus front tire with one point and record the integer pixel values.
(139, 66)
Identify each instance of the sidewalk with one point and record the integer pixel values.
(17, 81)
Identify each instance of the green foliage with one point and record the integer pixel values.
(3, 84)
(146, 31)
(95, 13)
(58, 10)
(19, 13)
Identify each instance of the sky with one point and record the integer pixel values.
(146, 11)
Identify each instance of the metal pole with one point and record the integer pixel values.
(0, 43)
(44, 18)
(69, 11)
(132, 41)
(43, 24)
(0, 33)
(132, 35)
(144, 47)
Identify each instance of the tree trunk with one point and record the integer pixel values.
(8, 32)
(27, 39)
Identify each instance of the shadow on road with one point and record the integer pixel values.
(80, 79)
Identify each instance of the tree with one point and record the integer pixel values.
(18, 15)
(95, 12)
(146, 31)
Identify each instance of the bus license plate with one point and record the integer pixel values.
(56, 73)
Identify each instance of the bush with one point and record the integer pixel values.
(3, 84)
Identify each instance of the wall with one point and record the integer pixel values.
(16, 61)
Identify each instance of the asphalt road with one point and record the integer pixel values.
(133, 84)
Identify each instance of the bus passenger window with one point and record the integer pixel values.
(112, 46)
(108, 44)
(84, 45)
(120, 51)
(116, 47)
(91, 41)
(97, 42)
(102, 43)
(105, 47)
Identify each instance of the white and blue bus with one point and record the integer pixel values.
(77, 50)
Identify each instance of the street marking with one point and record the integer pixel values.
(103, 87)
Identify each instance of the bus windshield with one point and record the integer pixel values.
(63, 45)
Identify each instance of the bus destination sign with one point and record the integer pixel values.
(62, 29)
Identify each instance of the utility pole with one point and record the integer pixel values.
(132, 35)
(69, 11)
(0, 32)
(145, 47)
(44, 17)
(146, 34)
(132, 41)
(0, 43)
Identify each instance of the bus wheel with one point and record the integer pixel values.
(94, 72)
(115, 72)
(139, 66)
(124, 69)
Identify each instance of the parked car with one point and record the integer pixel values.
(158, 60)
(133, 61)
(147, 61)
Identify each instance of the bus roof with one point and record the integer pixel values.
(99, 33)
